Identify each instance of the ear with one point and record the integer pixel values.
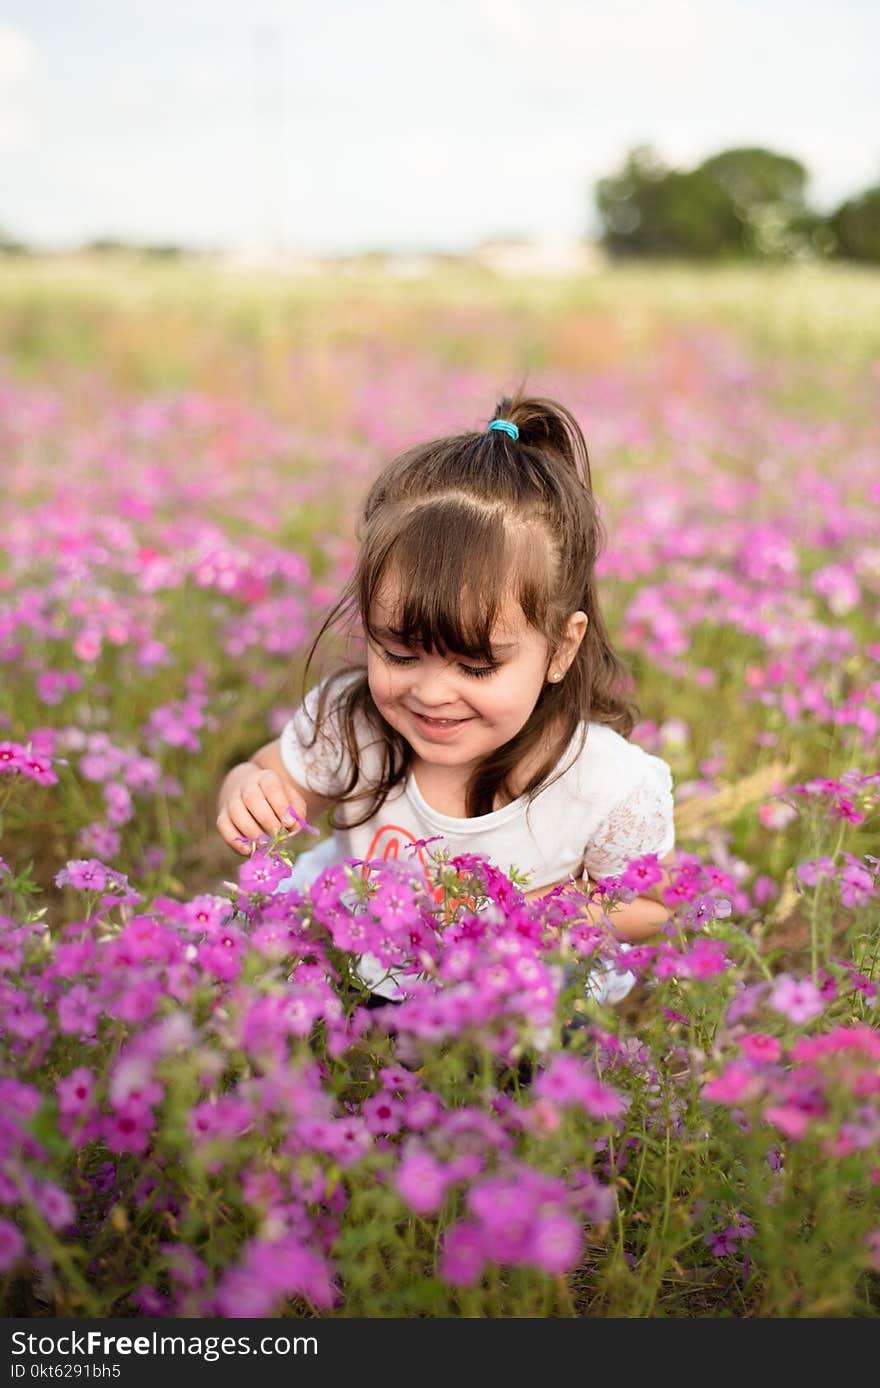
(567, 649)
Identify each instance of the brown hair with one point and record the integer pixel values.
(460, 521)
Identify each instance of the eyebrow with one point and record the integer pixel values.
(387, 632)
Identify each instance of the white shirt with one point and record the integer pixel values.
(614, 803)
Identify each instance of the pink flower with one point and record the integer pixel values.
(138, 1003)
(856, 885)
(262, 873)
(223, 956)
(84, 874)
(128, 1130)
(812, 870)
(798, 1000)
(383, 1113)
(290, 814)
(78, 1012)
(704, 960)
(37, 768)
(761, 1048)
(54, 1205)
(272, 1270)
(462, 1258)
(568, 1081)
(99, 838)
(776, 814)
(420, 1110)
(642, 873)
(12, 756)
(75, 1092)
(791, 1120)
(555, 1243)
(421, 1181)
(734, 1085)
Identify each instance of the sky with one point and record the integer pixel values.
(408, 125)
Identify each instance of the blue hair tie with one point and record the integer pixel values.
(506, 425)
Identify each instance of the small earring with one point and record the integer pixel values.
(557, 676)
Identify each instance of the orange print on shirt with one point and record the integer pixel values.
(386, 843)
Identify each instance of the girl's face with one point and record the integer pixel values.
(455, 710)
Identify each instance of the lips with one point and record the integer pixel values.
(437, 728)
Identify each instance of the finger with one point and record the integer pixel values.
(228, 833)
(244, 821)
(280, 801)
(255, 802)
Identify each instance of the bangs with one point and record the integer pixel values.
(445, 575)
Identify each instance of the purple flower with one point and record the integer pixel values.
(724, 1241)
(11, 1244)
(78, 1012)
(811, 871)
(262, 873)
(84, 874)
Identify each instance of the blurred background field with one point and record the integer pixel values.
(152, 324)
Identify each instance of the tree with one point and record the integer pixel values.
(856, 226)
(648, 209)
(10, 245)
(744, 202)
(768, 191)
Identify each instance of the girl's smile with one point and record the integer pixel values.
(454, 710)
(439, 729)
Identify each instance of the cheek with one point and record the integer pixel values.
(381, 682)
(499, 705)
(516, 699)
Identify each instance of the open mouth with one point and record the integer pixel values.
(439, 725)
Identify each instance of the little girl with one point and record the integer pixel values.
(489, 713)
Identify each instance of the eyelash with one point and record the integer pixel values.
(472, 670)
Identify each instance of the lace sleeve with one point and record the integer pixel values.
(642, 822)
(318, 763)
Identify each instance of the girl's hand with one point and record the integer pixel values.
(254, 801)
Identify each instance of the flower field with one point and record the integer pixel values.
(198, 1115)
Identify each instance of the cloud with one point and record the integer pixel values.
(19, 66)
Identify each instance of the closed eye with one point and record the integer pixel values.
(475, 671)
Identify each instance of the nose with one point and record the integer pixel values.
(432, 690)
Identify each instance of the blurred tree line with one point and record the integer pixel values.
(740, 204)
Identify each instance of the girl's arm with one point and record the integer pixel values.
(633, 921)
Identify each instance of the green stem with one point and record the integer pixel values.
(814, 911)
